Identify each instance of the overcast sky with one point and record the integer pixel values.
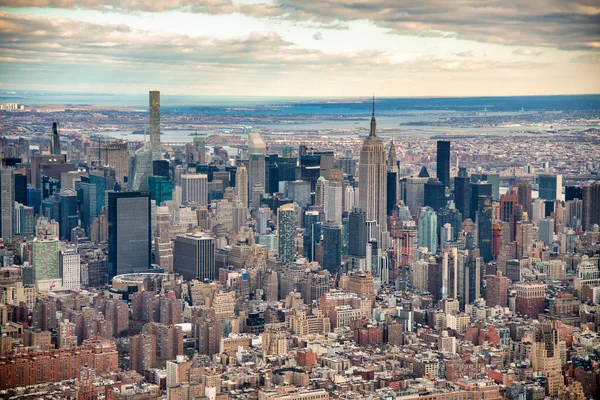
(302, 47)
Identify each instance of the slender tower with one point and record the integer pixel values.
(55, 144)
(373, 177)
(155, 124)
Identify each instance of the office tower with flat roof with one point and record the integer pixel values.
(160, 189)
(257, 150)
(357, 241)
(427, 229)
(462, 192)
(299, 192)
(413, 192)
(129, 232)
(241, 185)
(194, 189)
(55, 143)
(7, 202)
(312, 233)
(332, 246)
(479, 191)
(286, 229)
(70, 268)
(391, 192)
(550, 186)
(591, 205)
(194, 256)
(546, 230)
(45, 260)
(333, 202)
(69, 217)
(524, 196)
(373, 177)
(140, 165)
(163, 250)
(434, 194)
(443, 162)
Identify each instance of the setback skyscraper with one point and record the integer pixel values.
(373, 177)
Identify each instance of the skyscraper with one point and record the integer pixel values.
(332, 246)
(357, 243)
(312, 233)
(140, 164)
(241, 186)
(591, 205)
(257, 150)
(69, 218)
(373, 177)
(194, 256)
(70, 268)
(7, 202)
(443, 162)
(484, 230)
(427, 230)
(286, 228)
(129, 232)
(55, 143)
(434, 194)
(194, 189)
(45, 261)
(550, 186)
(479, 191)
(496, 290)
(524, 196)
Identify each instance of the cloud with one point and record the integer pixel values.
(464, 53)
(318, 36)
(527, 52)
(570, 25)
(587, 59)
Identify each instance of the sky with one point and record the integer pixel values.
(400, 48)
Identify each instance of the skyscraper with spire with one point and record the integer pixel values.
(140, 164)
(373, 177)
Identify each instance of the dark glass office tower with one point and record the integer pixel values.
(479, 190)
(434, 194)
(392, 190)
(69, 218)
(312, 233)
(160, 168)
(55, 143)
(21, 188)
(443, 162)
(571, 192)
(332, 246)
(129, 232)
(484, 229)
(549, 186)
(462, 192)
(310, 169)
(357, 244)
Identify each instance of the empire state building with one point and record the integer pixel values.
(372, 172)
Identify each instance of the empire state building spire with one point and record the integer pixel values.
(373, 133)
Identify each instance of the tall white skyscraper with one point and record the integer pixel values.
(333, 210)
(373, 177)
(194, 189)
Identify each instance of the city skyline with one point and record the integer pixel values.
(252, 48)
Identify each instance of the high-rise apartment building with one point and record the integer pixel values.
(129, 232)
(140, 163)
(373, 177)
(496, 290)
(427, 230)
(7, 202)
(286, 229)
